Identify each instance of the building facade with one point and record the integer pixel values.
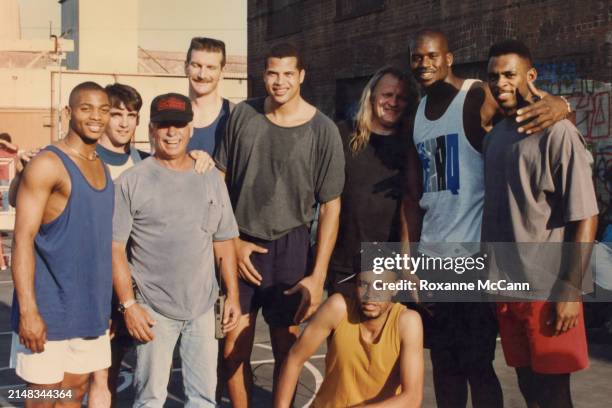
(344, 41)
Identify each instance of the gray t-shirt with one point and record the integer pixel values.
(275, 175)
(535, 184)
(171, 219)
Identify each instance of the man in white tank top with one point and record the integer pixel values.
(443, 204)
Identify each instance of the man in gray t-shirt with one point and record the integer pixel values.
(175, 224)
(281, 157)
(538, 190)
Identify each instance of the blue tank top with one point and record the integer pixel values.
(73, 277)
(209, 137)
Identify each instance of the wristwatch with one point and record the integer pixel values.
(123, 306)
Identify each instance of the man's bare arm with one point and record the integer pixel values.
(318, 329)
(567, 312)
(412, 364)
(122, 277)
(22, 159)
(489, 109)
(13, 188)
(311, 287)
(327, 232)
(582, 233)
(411, 213)
(137, 320)
(39, 181)
(225, 257)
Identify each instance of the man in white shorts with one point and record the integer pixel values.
(62, 262)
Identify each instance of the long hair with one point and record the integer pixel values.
(363, 118)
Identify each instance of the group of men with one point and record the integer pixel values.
(170, 232)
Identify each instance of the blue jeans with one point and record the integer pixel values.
(198, 350)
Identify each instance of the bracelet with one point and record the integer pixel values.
(569, 106)
(129, 303)
(123, 306)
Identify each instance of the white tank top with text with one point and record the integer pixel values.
(453, 178)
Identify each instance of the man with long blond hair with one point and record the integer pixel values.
(375, 156)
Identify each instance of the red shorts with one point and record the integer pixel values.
(528, 341)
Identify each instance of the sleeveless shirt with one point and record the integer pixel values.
(453, 176)
(73, 269)
(358, 372)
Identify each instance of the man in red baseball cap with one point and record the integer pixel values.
(177, 223)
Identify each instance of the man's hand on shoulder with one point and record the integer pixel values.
(542, 114)
(203, 161)
(24, 157)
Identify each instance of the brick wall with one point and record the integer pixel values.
(571, 41)
(339, 47)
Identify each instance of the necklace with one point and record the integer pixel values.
(81, 155)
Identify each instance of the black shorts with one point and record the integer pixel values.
(464, 334)
(285, 264)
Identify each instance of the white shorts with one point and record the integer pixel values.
(74, 356)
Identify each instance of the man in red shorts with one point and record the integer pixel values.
(538, 194)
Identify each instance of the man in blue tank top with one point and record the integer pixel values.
(62, 259)
(204, 69)
(443, 204)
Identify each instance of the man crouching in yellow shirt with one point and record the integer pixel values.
(374, 356)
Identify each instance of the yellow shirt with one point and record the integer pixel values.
(357, 372)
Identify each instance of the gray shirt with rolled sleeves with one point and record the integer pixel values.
(535, 186)
(170, 220)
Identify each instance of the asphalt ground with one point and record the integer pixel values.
(591, 388)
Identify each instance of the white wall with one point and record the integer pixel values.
(29, 88)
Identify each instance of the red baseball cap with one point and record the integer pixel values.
(171, 107)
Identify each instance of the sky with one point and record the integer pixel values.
(161, 27)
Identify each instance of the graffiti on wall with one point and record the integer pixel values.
(592, 103)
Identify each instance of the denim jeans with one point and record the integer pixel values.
(198, 351)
